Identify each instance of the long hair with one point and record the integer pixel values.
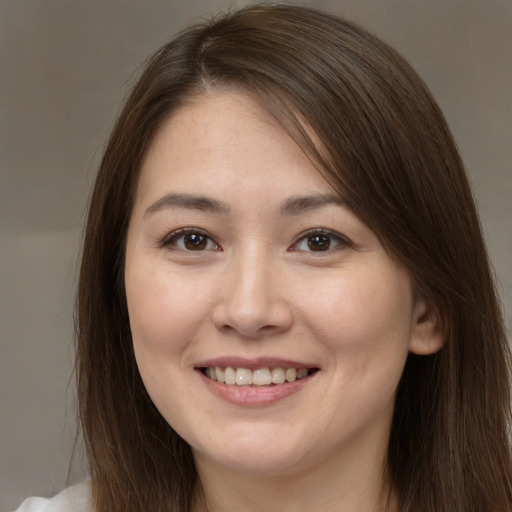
(372, 128)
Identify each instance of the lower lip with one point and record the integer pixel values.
(254, 395)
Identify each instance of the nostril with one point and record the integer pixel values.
(252, 322)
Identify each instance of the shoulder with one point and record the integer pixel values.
(73, 499)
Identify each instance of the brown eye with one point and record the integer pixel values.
(190, 239)
(319, 242)
(195, 241)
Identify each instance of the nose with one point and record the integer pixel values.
(252, 302)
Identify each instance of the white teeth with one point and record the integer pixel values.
(259, 377)
(210, 372)
(229, 376)
(243, 377)
(219, 372)
(301, 373)
(278, 376)
(291, 374)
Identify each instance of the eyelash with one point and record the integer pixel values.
(172, 240)
(341, 242)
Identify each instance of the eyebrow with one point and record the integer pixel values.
(187, 202)
(302, 204)
(292, 206)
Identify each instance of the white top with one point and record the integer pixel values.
(73, 499)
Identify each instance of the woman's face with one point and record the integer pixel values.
(243, 265)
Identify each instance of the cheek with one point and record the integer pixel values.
(165, 313)
(166, 319)
(365, 312)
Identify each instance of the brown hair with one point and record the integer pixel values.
(386, 146)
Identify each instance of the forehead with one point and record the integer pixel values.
(225, 139)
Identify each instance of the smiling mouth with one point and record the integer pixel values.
(260, 377)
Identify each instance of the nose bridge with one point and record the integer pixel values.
(253, 272)
(252, 301)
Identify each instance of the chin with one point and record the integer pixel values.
(254, 452)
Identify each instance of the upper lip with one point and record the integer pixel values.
(253, 364)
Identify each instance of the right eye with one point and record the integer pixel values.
(190, 239)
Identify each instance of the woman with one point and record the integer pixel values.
(285, 300)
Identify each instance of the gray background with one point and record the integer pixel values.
(65, 67)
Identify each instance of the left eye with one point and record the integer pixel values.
(191, 240)
(319, 241)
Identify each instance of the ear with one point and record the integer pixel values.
(427, 334)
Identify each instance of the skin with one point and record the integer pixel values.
(256, 289)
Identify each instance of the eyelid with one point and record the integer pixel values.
(175, 235)
(343, 241)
